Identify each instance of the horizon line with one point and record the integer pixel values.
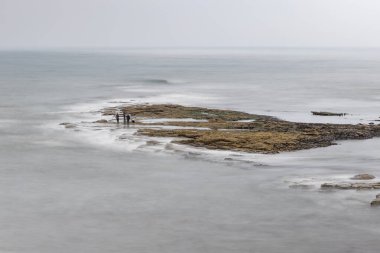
(176, 47)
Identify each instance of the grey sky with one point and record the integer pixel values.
(192, 23)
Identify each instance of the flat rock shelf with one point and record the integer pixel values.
(237, 131)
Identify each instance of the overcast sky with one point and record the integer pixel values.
(189, 23)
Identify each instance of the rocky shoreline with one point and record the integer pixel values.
(237, 131)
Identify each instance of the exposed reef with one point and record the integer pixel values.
(363, 177)
(367, 185)
(351, 186)
(239, 131)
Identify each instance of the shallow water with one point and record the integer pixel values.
(64, 190)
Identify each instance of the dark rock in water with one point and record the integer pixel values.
(194, 154)
(301, 186)
(123, 137)
(328, 114)
(68, 125)
(344, 186)
(363, 177)
(101, 121)
(375, 202)
(152, 143)
(350, 186)
(328, 185)
(378, 196)
(362, 186)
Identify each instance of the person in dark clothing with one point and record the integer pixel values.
(124, 116)
(117, 117)
(128, 118)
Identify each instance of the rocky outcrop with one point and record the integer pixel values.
(68, 125)
(301, 186)
(375, 202)
(224, 129)
(101, 121)
(356, 186)
(363, 177)
(328, 114)
(351, 186)
(178, 111)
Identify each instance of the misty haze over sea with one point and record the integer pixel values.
(88, 191)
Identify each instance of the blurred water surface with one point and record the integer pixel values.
(60, 193)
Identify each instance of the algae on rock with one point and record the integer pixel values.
(224, 129)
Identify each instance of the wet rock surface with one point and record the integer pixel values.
(223, 129)
(351, 186)
(375, 202)
(178, 111)
(356, 186)
(301, 186)
(363, 177)
(68, 125)
(101, 121)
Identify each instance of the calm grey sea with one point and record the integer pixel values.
(84, 190)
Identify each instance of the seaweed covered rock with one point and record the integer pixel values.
(363, 177)
(239, 131)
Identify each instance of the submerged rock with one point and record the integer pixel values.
(328, 185)
(123, 137)
(152, 143)
(101, 121)
(68, 125)
(301, 186)
(363, 177)
(375, 202)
